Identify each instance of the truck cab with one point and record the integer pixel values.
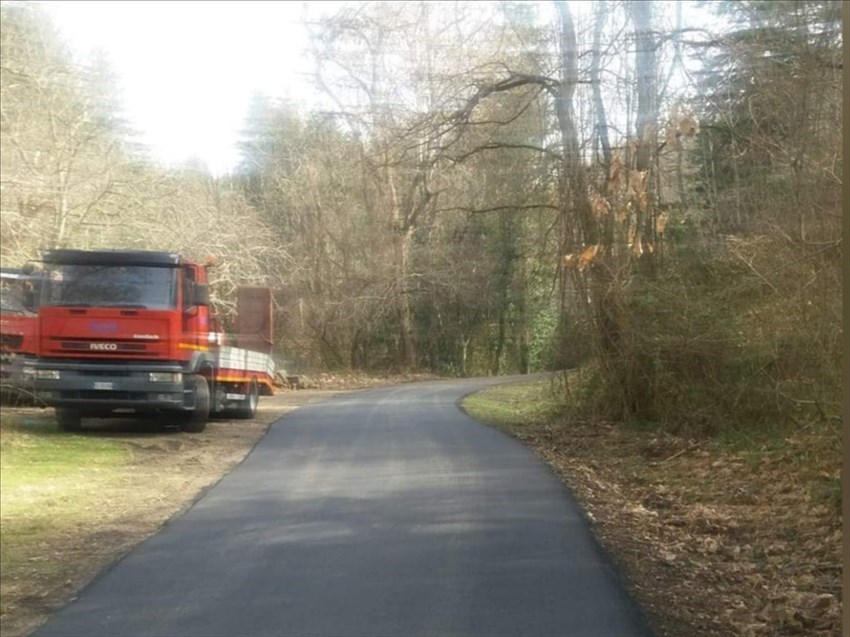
(18, 325)
(132, 332)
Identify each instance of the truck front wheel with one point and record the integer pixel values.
(195, 421)
(248, 407)
(69, 419)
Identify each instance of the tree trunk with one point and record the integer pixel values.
(647, 115)
(409, 357)
(574, 181)
(596, 87)
(636, 390)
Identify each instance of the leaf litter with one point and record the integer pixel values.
(712, 542)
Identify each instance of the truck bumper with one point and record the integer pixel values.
(99, 386)
(16, 369)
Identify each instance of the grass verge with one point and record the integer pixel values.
(51, 487)
(737, 535)
(512, 408)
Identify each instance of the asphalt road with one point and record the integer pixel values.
(385, 512)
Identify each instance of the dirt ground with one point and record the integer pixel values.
(169, 470)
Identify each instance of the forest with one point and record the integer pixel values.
(655, 203)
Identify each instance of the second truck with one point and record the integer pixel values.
(18, 328)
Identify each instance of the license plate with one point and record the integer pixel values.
(104, 385)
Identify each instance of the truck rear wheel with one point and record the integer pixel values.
(195, 421)
(247, 408)
(69, 419)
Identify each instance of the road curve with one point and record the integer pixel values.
(385, 512)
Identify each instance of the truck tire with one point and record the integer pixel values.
(195, 421)
(69, 419)
(247, 408)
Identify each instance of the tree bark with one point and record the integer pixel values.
(573, 177)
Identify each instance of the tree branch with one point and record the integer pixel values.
(544, 206)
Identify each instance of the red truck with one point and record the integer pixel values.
(124, 331)
(18, 325)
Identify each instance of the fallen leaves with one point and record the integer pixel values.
(714, 543)
(356, 380)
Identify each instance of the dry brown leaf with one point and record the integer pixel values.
(614, 172)
(587, 257)
(622, 214)
(637, 246)
(682, 123)
(601, 207)
(660, 223)
(637, 182)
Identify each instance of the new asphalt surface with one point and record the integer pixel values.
(386, 512)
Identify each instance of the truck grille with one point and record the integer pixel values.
(12, 342)
(99, 373)
(94, 394)
(104, 348)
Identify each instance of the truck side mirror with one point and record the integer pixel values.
(202, 294)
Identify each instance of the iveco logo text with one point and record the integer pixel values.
(103, 346)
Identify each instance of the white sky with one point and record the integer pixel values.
(188, 69)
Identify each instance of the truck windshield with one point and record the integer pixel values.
(134, 286)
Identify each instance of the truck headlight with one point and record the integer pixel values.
(165, 377)
(47, 374)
